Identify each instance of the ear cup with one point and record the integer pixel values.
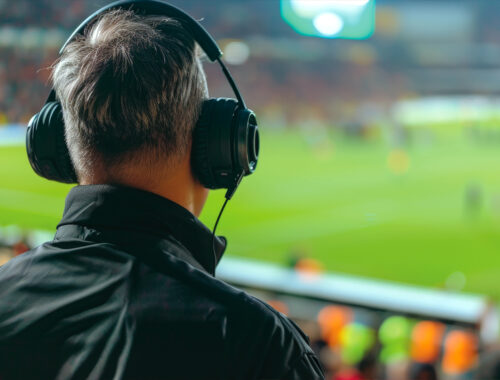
(199, 151)
(212, 152)
(247, 144)
(225, 143)
(46, 146)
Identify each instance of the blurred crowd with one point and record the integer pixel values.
(43, 13)
(355, 343)
(281, 80)
(396, 348)
(284, 95)
(24, 86)
(23, 83)
(13, 242)
(289, 80)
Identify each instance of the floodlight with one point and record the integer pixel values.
(328, 24)
(354, 19)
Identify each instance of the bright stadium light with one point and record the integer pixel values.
(236, 52)
(328, 24)
(354, 19)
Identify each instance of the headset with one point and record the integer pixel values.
(225, 140)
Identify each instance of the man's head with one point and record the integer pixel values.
(131, 90)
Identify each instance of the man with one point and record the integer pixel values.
(126, 288)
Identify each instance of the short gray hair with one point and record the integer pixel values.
(131, 88)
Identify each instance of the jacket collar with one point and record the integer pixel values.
(105, 207)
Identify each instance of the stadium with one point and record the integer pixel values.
(373, 220)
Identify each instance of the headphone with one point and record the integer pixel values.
(225, 139)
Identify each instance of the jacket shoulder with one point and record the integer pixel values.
(268, 345)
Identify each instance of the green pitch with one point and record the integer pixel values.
(354, 206)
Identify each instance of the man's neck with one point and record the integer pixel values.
(176, 184)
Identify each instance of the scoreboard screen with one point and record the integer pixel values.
(349, 19)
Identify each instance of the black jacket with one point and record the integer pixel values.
(126, 290)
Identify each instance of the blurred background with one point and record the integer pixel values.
(376, 206)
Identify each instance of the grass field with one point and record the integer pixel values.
(339, 203)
